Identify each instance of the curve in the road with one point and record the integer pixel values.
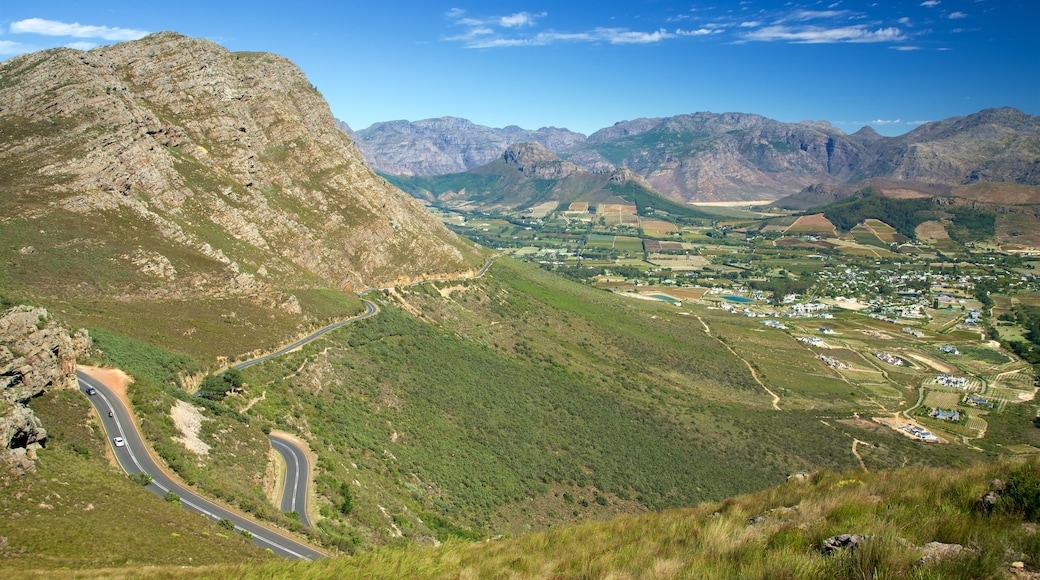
(133, 457)
(297, 480)
(294, 498)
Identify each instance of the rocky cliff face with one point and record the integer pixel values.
(449, 144)
(209, 172)
(36, 355)
(536, 161)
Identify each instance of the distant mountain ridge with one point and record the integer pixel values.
(448, 144)
(738, 156)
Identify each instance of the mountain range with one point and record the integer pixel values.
(733, 156)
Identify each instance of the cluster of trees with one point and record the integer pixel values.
(1029, 349)
(216, 387)
(966, 224)
(902, 214)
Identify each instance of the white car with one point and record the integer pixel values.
(119, 442)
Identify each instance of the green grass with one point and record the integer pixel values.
(899, 512)
(77, 512)
(474, 419)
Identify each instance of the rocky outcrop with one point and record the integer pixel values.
(227, 167)
(36, 355)
(841, 542)
(536, 161)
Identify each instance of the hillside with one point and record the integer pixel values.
(911, 523)
(531, 179)
(169, 169)
(739, 156)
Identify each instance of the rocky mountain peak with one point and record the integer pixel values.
(527, 153)
(231, 162)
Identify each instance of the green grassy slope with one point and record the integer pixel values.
(777, 533)
(78, 512)
(522, 401)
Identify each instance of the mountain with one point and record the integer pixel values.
(449, 144)
(169, 167)
(528, 175)
(738, 156)
(993, 145)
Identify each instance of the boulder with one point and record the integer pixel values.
(841, 542)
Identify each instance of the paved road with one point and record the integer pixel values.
(370, 310)
(294, 497)
(134, 458)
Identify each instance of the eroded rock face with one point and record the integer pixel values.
(36, 355)
(232, 160)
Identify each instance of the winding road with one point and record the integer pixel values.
(133, 457)
(294, 497)
(297, 471)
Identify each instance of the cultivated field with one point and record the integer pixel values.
(812, 224)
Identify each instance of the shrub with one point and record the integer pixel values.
(1021, 495)
(142, 478)
(226, 524)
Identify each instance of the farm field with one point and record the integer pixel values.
(812, 224)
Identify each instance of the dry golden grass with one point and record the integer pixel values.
(777, 533)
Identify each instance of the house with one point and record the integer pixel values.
(946, 415)
(978, 401)
(948, 349)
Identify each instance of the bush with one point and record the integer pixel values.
(1021, 495)
(142, 478)
(172, 497)
(226, 524)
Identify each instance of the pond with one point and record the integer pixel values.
(739, 299)
(665, 298)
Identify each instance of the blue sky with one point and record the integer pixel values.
(586, 65)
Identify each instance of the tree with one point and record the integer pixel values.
(347, 505)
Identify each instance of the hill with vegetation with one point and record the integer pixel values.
(170, 179)
(530, 179)
(1004, 213)
(978, 522)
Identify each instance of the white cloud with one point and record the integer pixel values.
(816, 14)
(75, 30)
(751, 24)
(698, 32)
(957, 15)
(886, 121)
(623, 36)
(81, 45)
(520, 19)
(11, 47)
(931, 3)
(905, 48)
(905, 21)
(819, 35)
